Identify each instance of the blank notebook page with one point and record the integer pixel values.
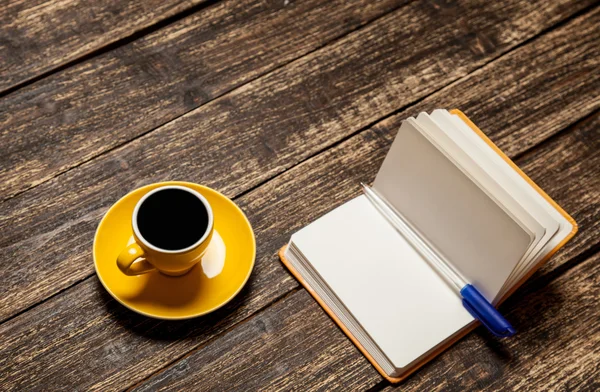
(405, 307)
(465, 225)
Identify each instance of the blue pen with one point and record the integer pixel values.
(472, 300)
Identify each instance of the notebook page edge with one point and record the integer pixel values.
(427, 171)
(561, 223)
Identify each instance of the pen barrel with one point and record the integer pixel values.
(473, 301)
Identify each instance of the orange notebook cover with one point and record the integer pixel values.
(474, 324)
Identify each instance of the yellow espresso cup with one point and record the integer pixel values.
(172, 228)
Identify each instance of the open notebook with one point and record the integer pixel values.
(470, 204)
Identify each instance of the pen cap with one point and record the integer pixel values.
(482, 310)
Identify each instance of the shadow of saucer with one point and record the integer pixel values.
(171, 330)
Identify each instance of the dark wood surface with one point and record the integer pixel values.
(38, 36)
(284, 106)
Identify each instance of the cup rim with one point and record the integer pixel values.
(145, 242)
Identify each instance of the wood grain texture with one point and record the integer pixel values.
(74, 115)
(269, 353)
(294, 346)
(84, 340)
(97, 326)
(332, 177)
(257, 138)
(37, 36)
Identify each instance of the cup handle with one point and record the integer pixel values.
(127, 261)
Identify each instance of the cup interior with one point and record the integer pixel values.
(172, 219)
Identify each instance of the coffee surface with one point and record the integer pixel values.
(172, 219)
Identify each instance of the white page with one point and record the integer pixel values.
(506, 175)
(466, 226)
(557, 227)
(483, 170)
(404, 306)
(564, 230)
(475, 165)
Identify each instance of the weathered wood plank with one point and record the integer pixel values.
(258, 138)
(97, 326)
(37, 36)
(269, 353)
(293, 345)
(76, 114)
(116, 346)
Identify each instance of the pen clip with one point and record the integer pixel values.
(482, 310)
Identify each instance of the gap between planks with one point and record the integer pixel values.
(182, 15)
(262, 309)
(554, 136)
(111, 46)
(317, 48)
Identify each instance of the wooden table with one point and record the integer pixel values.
(284, 106)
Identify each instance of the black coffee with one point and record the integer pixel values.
(172, 219)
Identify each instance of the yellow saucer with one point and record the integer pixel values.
(212, 283)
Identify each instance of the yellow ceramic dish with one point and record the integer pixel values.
(212, 283)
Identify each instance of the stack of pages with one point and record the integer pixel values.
(469, 203)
